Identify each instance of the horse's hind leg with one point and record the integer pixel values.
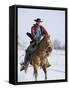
(45, 72)
(26, 66)
(35, 71)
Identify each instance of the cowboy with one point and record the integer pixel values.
(37, 31)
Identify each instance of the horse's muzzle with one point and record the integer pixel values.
(49, 49)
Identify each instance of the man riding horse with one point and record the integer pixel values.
(37, 31)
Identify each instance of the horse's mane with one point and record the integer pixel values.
(42, 42)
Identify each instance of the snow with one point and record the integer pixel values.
(55, 72)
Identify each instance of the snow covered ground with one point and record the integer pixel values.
(55, 72)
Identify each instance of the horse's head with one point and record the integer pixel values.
(47, 44)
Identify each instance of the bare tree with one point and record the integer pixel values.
(56, 44)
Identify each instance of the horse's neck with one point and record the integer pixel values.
(41, 46)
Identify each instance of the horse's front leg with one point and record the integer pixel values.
(45, 71)
(45, 75)
(35, 71)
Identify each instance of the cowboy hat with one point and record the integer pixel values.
(38, 20)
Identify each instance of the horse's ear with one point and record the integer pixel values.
(48, 36)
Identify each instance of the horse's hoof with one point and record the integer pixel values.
(22, 68)
(48, 65)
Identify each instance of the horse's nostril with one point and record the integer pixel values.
(50, 49)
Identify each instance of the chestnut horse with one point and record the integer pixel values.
(39, 57)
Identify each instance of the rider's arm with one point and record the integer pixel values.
(44, 31)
